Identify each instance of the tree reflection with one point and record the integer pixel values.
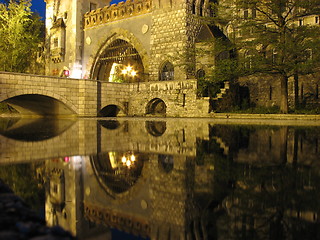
(254, 199)
(25, 182)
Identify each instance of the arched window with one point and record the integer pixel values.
(248, 59)
(167, 72)
(200, 74)
(194, 7)
(202, 8)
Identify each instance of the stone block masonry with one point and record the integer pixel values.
(85, 97)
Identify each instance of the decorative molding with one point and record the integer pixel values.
(116, 12)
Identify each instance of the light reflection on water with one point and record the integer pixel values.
(172, 179)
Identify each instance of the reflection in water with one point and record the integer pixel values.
(117, 172)
(199, 180)
(109, 124)
(156, 128)
(34, 129)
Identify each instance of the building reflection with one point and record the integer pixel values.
(165, 180)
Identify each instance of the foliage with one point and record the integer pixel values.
(269, 39)
(20, 36)
(23, 181)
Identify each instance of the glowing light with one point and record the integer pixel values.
(123, 159)
(133, 73)
(124, 71)
(132, 158)
(129, 68)
(76, 73)
(128, 163)
(66, 73)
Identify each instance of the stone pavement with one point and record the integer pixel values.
(18, 221)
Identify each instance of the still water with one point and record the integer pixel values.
(167, 178)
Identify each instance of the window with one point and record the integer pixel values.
(167, 72)
(246, 13)
(274, 56)
(270, 93)
(300, 22)
(254, 13)
(55, 42)
(93, 6)
(248, 60)
(193, 7)
(200, 74)
(316, 20)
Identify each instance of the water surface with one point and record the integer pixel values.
(167, 178)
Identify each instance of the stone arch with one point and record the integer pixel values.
(42, 92)
(99, 164)
(156, 107)
(119, 33)
(109, 111)
(118, 107)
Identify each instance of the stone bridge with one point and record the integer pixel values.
(44, 95)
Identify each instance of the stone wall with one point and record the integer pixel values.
(265, 90)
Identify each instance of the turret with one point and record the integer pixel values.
(64, 35)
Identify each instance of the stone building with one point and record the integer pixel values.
(133, 42)
(138, 41)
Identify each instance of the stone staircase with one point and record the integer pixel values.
(223, 91)
(224, 99)
(222, 145)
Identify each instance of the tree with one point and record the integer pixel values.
(270, 38)
(20, 36)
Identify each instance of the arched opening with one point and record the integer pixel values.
(34, 129)
(109, 111)
(119, 62)
(156, 128)
(156, 107)
(166, 72)
(35, 104)
(117, 172)
(109, 124)
(165, 163)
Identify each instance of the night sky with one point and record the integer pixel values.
(39, 6)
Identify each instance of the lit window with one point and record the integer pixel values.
(55, 42)
(167, 72)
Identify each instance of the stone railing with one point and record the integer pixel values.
(116, 12)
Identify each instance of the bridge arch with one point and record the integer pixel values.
(41, 93)
(112, 109)
(120, 35)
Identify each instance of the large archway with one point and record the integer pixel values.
(118, 172)
(37, 104)
(119, 62)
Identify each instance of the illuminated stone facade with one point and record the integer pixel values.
(158, 41)
(92, 40)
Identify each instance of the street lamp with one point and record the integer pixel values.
(128, 70)
(128, 159)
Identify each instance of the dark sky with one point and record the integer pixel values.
(39, 6)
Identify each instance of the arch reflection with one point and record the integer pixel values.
(117, 172)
